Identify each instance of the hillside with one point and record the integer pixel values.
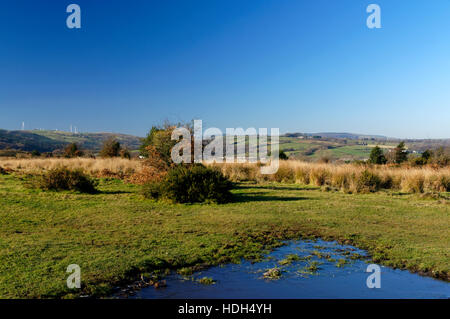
(47, 141)
(348, 146)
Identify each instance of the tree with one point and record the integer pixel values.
(161, 140)
(148, 140)
(124, 153)
(35, 153)
(426, 155)
(283, 156)
(111, 148)
(400, 153)
(72, 150)
(377, 156)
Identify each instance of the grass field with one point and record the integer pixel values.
(116, 235)
(314, 149)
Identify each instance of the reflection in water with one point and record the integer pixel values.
(302, 269)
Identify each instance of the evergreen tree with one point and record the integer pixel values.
(377, 156)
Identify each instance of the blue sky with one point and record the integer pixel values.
(301, 66)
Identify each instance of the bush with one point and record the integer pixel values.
(2, 171)
(413, 183)
(367, 181)
(285, 174)
(191, 184)
(318, 176)
(160, 138)
(72, 150)
(35, 153)
(283, 156)
(124, 153)
(438, 183)
(111, 148)
(66, 179)
(302, 176)
(340, 180)
(400, 153)
(377, 156)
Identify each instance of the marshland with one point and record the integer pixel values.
(398, 214)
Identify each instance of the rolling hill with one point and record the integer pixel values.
(48, 141)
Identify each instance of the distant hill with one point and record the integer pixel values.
(48, 141)
(349, 136)
(27, 141)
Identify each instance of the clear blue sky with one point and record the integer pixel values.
(302, 66)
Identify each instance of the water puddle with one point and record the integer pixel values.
(301, 269)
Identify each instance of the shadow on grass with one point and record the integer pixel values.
(257, 197)
(114, 192)
(276, 187)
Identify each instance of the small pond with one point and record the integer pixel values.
(309, 269)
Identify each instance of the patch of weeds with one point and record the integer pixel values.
(313, 266)
(331, 259)
(341, 263)
(185, 271)
(356, 256)
(206, 281)
(273, 273)
(289, 259)
(317, 253)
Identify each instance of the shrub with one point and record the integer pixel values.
(72, 150)
(2, 171)
(160, 138)
(377, 156)
(318, 176)
(124, 153)
(302, 175)
(35, 153)
(153, 189)
(111, 148)
(191, 184)
(400, 153)
(283, 156)
(439, 183)
(367, 181)
(66, 179)
(413, 183)
(285, 174)
(340, 180)
(387, 181)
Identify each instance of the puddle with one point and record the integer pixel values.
(309, 269)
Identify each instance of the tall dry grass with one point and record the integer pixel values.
(102, 167)
(347, 177)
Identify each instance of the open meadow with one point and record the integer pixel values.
(401, 217)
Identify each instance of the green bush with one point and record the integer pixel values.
(66, 179)
(191, 184)
(377, 156)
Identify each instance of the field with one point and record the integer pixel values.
(333, 149)
(116, 235)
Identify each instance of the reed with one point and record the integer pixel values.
(102, 167)
(347, 177)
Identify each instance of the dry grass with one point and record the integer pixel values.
(347, 177)
(104, 167)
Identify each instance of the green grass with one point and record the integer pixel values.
(116, 235)
(315, 149)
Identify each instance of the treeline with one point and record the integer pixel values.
(400, 155)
